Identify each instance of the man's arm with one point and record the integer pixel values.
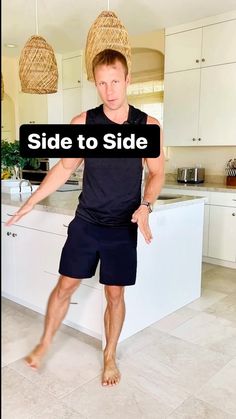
(55, 178)
(156, 174)
(152, 189)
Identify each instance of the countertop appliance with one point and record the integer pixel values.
(190, 175)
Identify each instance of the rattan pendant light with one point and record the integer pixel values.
(106, 32)
(37, 65)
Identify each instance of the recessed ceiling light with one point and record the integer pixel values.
(10, 45)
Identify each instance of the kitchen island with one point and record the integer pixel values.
(168, 273)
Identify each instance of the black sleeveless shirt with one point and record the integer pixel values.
(111, 186)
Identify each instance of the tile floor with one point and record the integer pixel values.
(182, 367)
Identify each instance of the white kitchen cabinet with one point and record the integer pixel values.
(199, 102)
(222, 233)
(183, 50)
(72, 72)
(33, 109)
(198, 107)
(217, 105)
(201, 47)
(31, 255)
(181, 108)
(218, 43)
(8, 119)
(219, 244)
(71, 84)
(8, 260)
(72, 101)
(206, 210)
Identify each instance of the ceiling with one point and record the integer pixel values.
(65, 23)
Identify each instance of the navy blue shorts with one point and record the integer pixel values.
(115, 247)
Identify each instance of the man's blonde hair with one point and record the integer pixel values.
(109, 57)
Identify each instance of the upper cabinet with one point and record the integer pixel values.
(33, 109)
(72, 87)
(72, 72)
(8, 130)
(201, 47)
(183, 50)
(200, 86)
(219, 44)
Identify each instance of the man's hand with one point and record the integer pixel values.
(140, 216)
(27, 207)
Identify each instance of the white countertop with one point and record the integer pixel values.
(66, 202)
(205, 186)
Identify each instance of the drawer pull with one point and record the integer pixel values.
(8, 233)
(64, 225)
(73, 302)
(233, 214)
(14, 234)
(11, 215)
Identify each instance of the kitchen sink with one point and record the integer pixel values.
(165, 197)
(69, 188)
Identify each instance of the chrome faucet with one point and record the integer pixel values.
(28, 182)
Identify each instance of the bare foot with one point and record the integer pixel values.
(34, 358)
(111, 374)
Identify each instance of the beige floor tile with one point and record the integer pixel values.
(20, 330)
(208, 297)
(220, 279)
(69, 364)
(172, 321)
(197, 409)
(20, 398)
(210, 332)
(207, 267)
(220, 390)
(179, 362)
(58, 410)
(126, 401)
(225, 308)
(137, 342)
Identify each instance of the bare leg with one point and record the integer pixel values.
(114, 319)
(58, 305)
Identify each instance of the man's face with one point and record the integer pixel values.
(111, 84)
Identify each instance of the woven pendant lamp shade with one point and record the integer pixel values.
(107, 32)
(38, 67)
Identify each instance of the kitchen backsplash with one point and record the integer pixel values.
(213, 159)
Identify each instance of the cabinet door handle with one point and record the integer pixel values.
(203, 60)
(78, 81)
(194, 139)
(8, 233)
(197, 61)
(64, 225)
(14, 234)
(199, 139)
(233, 214)
(10, 215)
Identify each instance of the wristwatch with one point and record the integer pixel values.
(148, 204)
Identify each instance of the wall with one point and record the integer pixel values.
(212, 158)
(154, 40)
(11, 83)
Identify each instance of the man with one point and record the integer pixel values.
(107, 217)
